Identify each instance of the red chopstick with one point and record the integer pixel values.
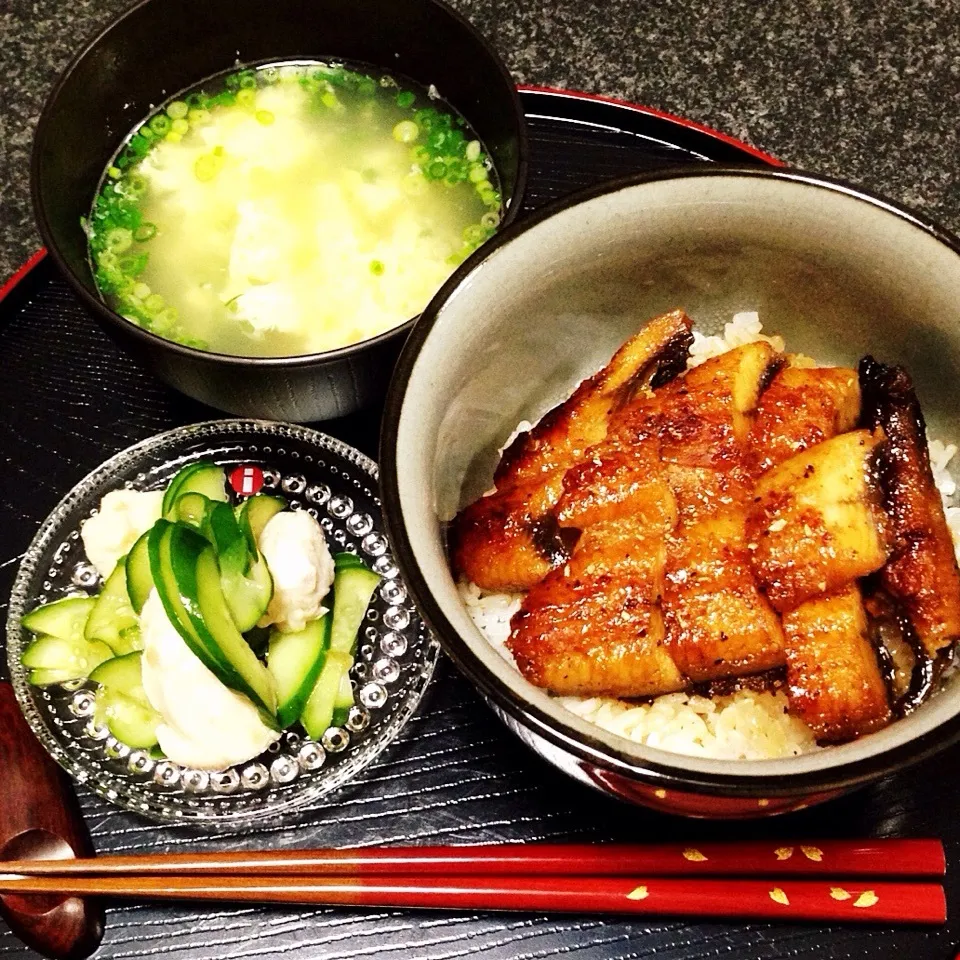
(834, 858)
(771, 899)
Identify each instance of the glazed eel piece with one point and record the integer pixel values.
(921, 572)
(510, 540)
(658, 593)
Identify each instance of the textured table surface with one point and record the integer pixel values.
(867, 91)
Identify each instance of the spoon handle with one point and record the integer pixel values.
(40, 820)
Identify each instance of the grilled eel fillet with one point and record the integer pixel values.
(800, 408)
(594, 625)
(922, 570)
(815, 523)
(685, 440)
(834, 680)
(509, 540)
(652, 600)
(661, 589)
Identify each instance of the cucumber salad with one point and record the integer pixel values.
(218, 625)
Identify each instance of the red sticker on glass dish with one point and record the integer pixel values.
(246, 480)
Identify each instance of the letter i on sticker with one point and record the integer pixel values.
(246, 480)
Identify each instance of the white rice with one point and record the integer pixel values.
(746, 725)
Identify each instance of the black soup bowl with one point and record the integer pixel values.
(161, 47)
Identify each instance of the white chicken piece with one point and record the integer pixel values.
(299, 561)
(206, 725)
(123, 516)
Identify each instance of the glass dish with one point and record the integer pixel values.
(396, 654)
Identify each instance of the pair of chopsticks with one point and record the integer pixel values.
(829, 880)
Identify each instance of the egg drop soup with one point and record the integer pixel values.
(289, 209)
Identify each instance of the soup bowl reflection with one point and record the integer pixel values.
(118, 79)
(834, 270)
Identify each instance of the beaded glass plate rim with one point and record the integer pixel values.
(127, 793)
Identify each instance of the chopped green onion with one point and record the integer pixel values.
(420, 155)
(478, 173)
(406, 131)
(164, 321)
(246, 97)
(134, 266)
(154, 303)
(138, 145)
(473, 150)
(198, 115)
(490, 219)
(114, 172)
(376, 267)
(119, 239)
(146, 231)
(180, 126)
(248, 80)
(177, 110)
(265, 117)
(405, 98)
(436, 170)
(141, 291)
(173, 137)
(146, 132)
(160, 125)
(474, 234)
(329, 99)
(135, 185)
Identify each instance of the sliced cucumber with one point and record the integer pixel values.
(130, 721)
(46, 678)
(174, 597)
(255, 680)
(112, 619)
(254, 515)
(245, 578)
(75, 657)
(63, 618)
(123, 675)
(247, 596)
(318, 711)
(346, 559)
(353, 586)
(295, 661)
(344, 700)
(139, 577)
(193, 508)
(203, 477)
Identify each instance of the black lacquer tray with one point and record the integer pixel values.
(69, 399)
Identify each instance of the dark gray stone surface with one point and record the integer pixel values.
(868, 90)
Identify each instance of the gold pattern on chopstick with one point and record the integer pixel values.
(779, 896)
(813, 853)
(693, 855)
(838, 893)
(866, 899)
(638, 893)
(783, 853)
(660, 794)
(763, 803)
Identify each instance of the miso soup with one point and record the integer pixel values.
(289, 209)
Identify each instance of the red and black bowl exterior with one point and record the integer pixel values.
(664, 786)
(161, 47)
